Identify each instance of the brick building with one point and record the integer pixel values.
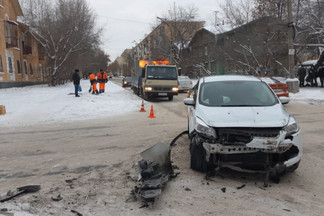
(22, 61)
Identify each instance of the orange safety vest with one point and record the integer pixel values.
(92, 77)
(102, 77)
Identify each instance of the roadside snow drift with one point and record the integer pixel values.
(43, 104)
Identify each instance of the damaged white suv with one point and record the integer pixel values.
(238, 122)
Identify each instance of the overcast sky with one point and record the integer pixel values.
(128, 21)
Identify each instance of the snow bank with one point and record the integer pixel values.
(43, 104)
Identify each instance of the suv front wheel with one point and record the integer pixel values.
(198, 156)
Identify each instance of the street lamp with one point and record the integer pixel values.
(171, 32)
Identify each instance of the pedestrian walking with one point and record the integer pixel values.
(93, 81)
(321, 74)
(313, 76)
(102, 78)
(301, 76)
(76, 82)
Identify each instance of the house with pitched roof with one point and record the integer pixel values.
(22, 61)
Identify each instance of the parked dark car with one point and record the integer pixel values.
(126, 81)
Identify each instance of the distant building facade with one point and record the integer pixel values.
(166, 41)
(22, 60)
(258, 48)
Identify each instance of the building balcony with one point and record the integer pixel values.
(11, 42)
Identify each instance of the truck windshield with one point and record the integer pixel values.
(161, 73)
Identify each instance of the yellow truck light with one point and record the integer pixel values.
(147, 88)
(175, 89)
(142, 63)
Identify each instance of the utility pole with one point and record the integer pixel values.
(291, 50)
(293, 84)
(216, 18)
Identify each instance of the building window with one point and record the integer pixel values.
(18, 67)
(31, 69)
(1, 65)
(35, 66)
(206, 50)
(11, 33)
(10, 65)
(25, 67)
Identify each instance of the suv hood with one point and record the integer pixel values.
(272, 116)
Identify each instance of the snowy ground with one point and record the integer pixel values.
(42, 104)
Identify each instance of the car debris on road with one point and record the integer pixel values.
(19, 191)
(154, 171)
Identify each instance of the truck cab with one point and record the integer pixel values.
(155, 79)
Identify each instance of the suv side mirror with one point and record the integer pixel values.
(284, 100)
(189, 101)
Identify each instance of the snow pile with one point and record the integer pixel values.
(43, 104)
(309, 95)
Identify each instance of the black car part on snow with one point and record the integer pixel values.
(154, 171)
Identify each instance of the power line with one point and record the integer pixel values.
(125, 20)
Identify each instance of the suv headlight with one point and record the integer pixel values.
(204, 129)
(292, 126)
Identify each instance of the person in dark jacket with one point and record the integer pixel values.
(313, 75)
(321, 74)
(76, 82)
(301, 76)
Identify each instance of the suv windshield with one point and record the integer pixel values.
(236, 93)
(160, 72)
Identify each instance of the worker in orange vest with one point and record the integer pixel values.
(93, 82)
(102, 79)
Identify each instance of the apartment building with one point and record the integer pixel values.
(22, 61)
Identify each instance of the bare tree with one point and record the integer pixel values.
(66, 29)
(182, 25)
(264, 54)
(310, 28)
(276, 8)
(237, 13)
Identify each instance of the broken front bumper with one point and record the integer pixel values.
(279, 151)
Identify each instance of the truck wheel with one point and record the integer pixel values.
(170, 97)
(135, 90)
(145, 96)
(198, 157)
